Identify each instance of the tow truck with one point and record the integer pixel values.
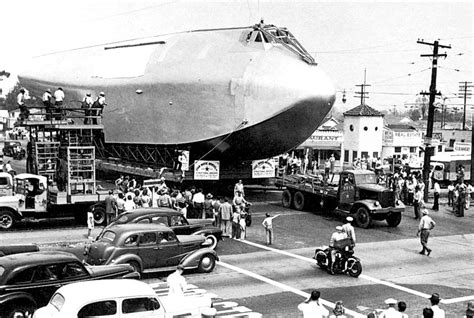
(357, 194)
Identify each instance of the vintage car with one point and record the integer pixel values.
(151, 247)
(117, 298)
(13, 149)
(174, 220)
(28, 280)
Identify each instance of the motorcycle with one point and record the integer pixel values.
(345, 261)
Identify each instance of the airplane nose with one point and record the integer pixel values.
(282, 81)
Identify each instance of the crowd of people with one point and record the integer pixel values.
(313, 308)
(229, 215)
(54, 105)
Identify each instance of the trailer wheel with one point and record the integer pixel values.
(363, 218)
(7, 219)
(298, 200)
(99, 215)
(286, 198)
(394, 219)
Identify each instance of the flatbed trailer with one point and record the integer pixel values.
(357, 194)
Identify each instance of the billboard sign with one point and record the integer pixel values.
(206, 169)
(264, 168)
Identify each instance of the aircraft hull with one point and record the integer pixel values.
(215, 92)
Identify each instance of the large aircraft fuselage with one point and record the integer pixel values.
(219, 90)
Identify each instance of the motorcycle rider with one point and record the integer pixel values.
(349, 230)
(335, 237)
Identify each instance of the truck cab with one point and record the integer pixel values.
(6, 184)
(360, 194)
(33, 190)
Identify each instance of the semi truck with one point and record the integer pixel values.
(357, 194)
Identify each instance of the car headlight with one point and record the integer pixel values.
(376, 203)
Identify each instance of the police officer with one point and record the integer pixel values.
(349, 230)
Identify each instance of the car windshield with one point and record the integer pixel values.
(108, 236)
(57, 301)
(365, 179)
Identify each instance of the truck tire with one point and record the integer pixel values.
(7, 219)
(394, 219)
(99, 215)
(363, 218)
(298, 200)
(286, 199)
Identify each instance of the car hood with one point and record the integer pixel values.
(202, 222)
(47, 311)
(191, 239)
(103, 271)
(373, 187)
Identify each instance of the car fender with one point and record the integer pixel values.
(126, 258)
(192, 259)
(366, 203)
(205, 232)
(17, 296)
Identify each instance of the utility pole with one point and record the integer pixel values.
(363, 93)
(465, 91)
(431, 110)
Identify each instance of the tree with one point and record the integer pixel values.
(414, 114)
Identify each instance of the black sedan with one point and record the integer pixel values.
(151, 248)
(28, 280)
(175, 220)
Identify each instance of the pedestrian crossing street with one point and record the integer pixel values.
(224, 308)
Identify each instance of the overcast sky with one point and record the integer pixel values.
(345, 37)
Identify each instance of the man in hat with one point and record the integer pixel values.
(424, 228)
(208, 207)
(437, 312)
(268, 225)
(336, 236)
(349, 230)
(58, 102)
(20, 100)
(98, 108)
(47, 97)
(86, 105)
(391, 311)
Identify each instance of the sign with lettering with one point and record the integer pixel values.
(184, 159)
(264, 168)
(206, 170)
(462, 147)
(388, 136)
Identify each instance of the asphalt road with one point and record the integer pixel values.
(251, 277)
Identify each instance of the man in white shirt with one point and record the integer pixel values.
(58, 102)
(268, 225)
(390, 312)
(425, 226)
(177, 283)
(198, 203)
(336, 236)
(437, 312)
(349, 230)
(47, 103)
(311, 307)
